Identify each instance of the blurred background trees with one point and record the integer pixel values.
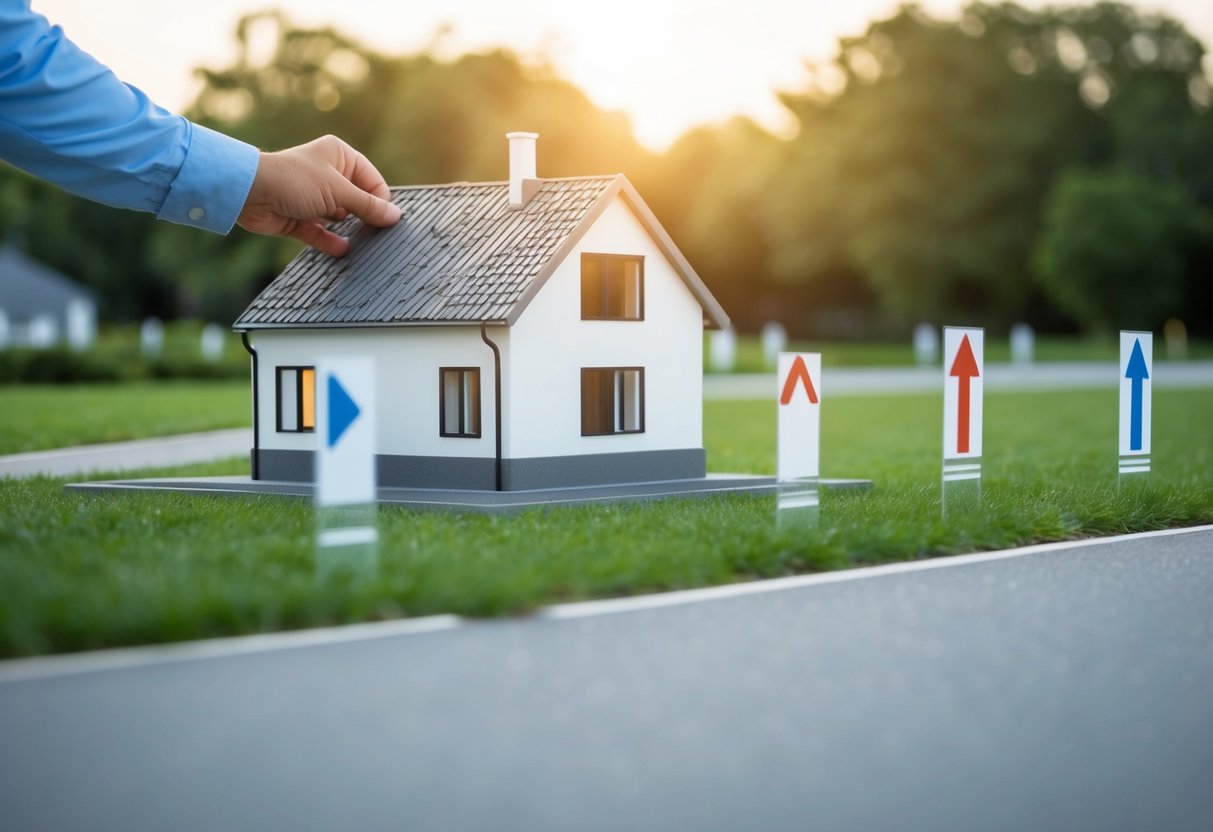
(1051, 166)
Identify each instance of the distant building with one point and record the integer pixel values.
(40, 308)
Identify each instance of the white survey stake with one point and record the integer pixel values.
(1136, 379)
(345, 431)
(799, 456)
(963, 383)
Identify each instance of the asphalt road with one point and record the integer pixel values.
(1068, 689)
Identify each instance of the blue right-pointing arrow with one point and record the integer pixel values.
(1137, 373)
(342, 410)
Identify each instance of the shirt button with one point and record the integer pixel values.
(196, 214)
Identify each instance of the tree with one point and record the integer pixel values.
(1115, 249)
(927, 148)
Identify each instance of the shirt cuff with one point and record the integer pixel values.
(214, 181)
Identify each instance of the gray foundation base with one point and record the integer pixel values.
(488, 502)
(480, 473)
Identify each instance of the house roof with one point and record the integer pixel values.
(460, 254)
(29, 288)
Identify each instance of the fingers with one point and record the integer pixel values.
(364, 192)
(296, 190)
(313, 233)
(371, 209)
(359, 170)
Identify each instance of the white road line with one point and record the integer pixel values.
(70, 664)
(18, 670)
(612, 606)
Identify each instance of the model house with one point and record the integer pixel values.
(535, 333)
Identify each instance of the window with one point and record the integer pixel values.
(612, 400)
(612, 287)
(459, 401)
(296, 399)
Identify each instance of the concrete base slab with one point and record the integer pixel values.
(487, 502)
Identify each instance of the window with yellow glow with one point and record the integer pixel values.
(296, 399)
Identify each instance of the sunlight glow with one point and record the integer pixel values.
(669, 64)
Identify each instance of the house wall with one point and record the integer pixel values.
(406, 367)
(550, 344)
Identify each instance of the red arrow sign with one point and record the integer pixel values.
(799, 372)
(964, 367)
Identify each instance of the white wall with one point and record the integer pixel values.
(406, 366)
(550, 344)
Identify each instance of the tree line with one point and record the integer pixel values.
(1051, 166)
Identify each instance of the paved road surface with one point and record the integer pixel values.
(205, 447)
(1068, 689)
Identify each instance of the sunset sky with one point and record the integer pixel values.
(670, 64)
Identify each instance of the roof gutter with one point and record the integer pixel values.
(256, 466)
(484, 336)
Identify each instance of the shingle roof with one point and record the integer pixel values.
(459, 254)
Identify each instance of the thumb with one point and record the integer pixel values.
(371, 209)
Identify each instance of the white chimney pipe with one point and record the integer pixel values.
(522, 167)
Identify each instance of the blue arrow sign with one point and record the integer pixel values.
(343, 411)
(1137, 373)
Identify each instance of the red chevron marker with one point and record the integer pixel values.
(799, 372)
(964, 367)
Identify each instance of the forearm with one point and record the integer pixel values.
(66, 118)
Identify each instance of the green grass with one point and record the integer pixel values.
(80, 572)
(901, 354)
(37, 417)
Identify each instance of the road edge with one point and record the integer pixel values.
(70, 664)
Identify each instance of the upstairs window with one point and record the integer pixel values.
(612, 400)
(612, 287)
(296, 399)
(459, 402)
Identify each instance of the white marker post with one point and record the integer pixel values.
(1136, 374)
(346, 536)
(798, 465)
(963, 383)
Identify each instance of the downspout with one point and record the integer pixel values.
(484, 336)
(256, 467)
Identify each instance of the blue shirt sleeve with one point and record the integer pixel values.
(66, 118)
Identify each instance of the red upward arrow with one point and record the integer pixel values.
(964, 367)
(799, 372)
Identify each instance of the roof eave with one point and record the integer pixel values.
(471, 322)
(714, 315)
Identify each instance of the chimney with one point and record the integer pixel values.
(523, 182)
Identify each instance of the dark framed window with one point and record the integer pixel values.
(612, 400)
(459, 402)
(612, 287)
(296, 389)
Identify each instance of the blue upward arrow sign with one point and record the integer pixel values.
(1137, 373)
(342, 410)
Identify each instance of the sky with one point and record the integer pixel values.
(670, 64)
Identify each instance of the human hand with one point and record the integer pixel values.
(296, 191)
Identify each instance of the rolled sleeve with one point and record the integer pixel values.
(213, 183)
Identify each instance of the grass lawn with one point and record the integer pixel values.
(82, 572)
(37, 417)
